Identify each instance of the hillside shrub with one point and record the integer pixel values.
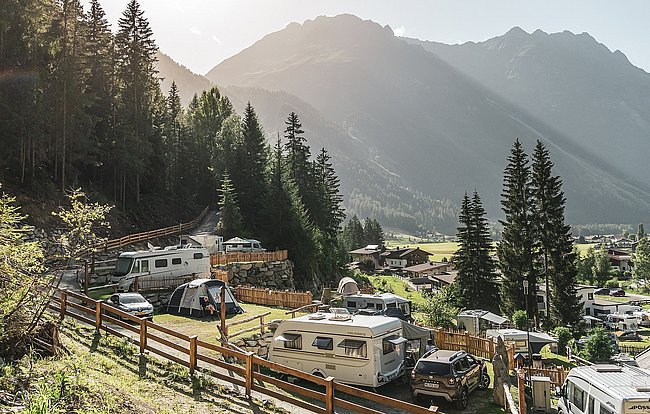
(612, 283)
(564, 335)
(520, 319)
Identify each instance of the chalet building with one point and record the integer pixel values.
(620, 259)
(370, 253)
(427, 269)
(584, 292)
(399, 258)
(443, 279)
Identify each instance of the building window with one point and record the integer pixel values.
(354, 348)
(176, 261)
(160, 263)
(323, 343)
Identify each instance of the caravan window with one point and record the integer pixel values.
(198, 255)
(354, 348)
(136, 267)
(176, 261)
(144, 265)
(576, 396)
(380, 306)
(291, 341)
(387, 345)
(322, 342)
(352, 304)
(604, 410)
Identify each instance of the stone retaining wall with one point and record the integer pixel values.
(273, 275)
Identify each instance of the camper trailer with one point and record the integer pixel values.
(605, 389)
(237, 244)
(156, 264)
(622, 322)
(377, 302)
(212, 242)
(354, 349)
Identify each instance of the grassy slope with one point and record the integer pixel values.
(102, 376)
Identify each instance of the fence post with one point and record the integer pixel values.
(262, 330)
(85, 276)
(521, 387)
(135, 283)
(64, 298)
(192, 354)
(98, 315)
(143, 335)
(249, 374)
(329, 395)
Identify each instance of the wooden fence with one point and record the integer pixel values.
(557, 375)
(147, 235)
(262, 326)
(236, 257)
(631, 349)
(483, 347)
(196, 354)
(280, 298)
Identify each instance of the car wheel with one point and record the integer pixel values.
(485, 381)
(461, 403)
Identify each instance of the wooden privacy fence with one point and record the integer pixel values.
(195, 354)
(235, 257)
(280, 298)
(147, 235)
(557, 375)
(631, 350)
(483, 347)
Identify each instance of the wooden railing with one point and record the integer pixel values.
(140, 237)
(195, 354)
(237, 257)
(261, 327)
(311, 307)
(280, 298)
(479, 346)
(631, 349)
(557, 375)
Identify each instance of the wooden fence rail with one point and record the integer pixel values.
(195, 354)
(144, 236)
(236, 257)
(557, 375)
(483, 347)
(280, 298)
(261, 326)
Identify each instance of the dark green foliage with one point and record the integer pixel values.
(476, 269)
(519, 319)
(640, 232)
(230, 221)
(353, 234)
(554, 241)
(515, 250)
(372, 232)
(564, 335)
(598, 347)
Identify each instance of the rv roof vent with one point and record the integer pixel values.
(607, 368)
(171, 248)
(340, 314)
(316, 316)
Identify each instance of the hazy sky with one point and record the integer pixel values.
(201, 33)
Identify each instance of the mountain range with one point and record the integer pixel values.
(412, 125)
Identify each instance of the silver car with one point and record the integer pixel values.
(132, 303)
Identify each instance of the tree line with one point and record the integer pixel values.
(535, 248)
(82, 106)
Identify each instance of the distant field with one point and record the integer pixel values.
(438, 250)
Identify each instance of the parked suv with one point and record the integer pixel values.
(451, 375)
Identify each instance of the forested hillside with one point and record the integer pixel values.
(83, 107)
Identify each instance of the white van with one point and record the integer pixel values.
(376, 302)
(354, 349)
(157, 264)
(622, 322)
(237, 244)
(605, 389)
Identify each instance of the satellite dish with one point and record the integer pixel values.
(150, 246)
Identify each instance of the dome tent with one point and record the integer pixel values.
(348, 286)
(186, 299)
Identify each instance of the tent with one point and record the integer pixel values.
(537, 339)
(416, 333)
(347, 286)
(186, 299)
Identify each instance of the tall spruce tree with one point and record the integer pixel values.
(330, 214)
(299, 168)
(230, 220)
(476, 269)
(555, 245)
(516, 249)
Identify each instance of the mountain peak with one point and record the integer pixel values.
(516, 32)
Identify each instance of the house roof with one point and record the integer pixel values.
(367, 250)
(605, 302)
(426, 266)
(483, 314)
(447, 278)
(399, 253)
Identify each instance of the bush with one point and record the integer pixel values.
(520, 319)
(563, 337)
(598, 347)
(612, 283)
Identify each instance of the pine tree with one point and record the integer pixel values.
(476, 274)
(555, 242)
(230, 221)
(253, 186)
(640, 233)
(330, 214)
(299, 168)
(353, 233)
(372, 232)
(641, 270)
(515, 251)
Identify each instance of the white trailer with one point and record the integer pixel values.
(354, 349)
(157, 264)
(212, 242)
(605, 389)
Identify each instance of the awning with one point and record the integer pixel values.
(591, 318)
(397, 341)
(351, 344)
(287, 337)
(496, 319)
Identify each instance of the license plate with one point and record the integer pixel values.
(140, 313)
(431, 385)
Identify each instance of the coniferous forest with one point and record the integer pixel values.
(82, 107)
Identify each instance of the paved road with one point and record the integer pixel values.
(208, 225)
(634, 296)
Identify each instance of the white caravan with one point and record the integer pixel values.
(622, 322)
(237, 244)
(354, 349)
(157, 264)
(376, 302)
(605, 389)
(212, 242)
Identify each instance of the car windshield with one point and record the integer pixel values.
(433, 368)
(123, 266)
(132, 299)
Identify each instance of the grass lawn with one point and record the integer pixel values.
(392, 284)
(438, 250)
(613, 298)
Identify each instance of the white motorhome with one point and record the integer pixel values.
(212, 242)
(156, 264)
(237, 244)
(605, 389)
(354, 349)
(377, 302)
(622, 322)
